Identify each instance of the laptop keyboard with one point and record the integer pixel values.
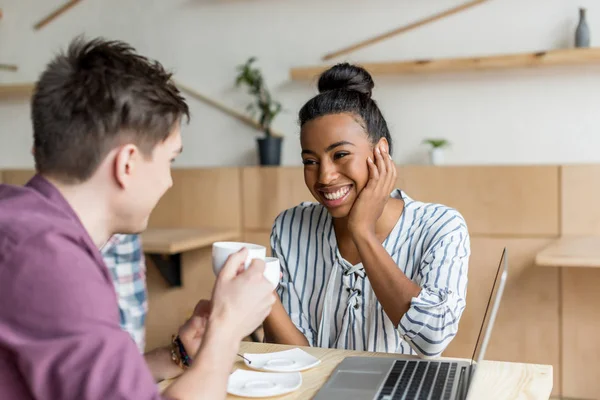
(419, 380)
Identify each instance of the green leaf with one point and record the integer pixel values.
(263, 105)
(437, 143)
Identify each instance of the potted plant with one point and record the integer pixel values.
(269, 146)
(436, 151)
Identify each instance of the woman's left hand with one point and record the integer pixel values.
(372, 199)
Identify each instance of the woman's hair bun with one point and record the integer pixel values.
(347, 77)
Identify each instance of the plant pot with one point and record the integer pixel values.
(269, 150)
(436, 156)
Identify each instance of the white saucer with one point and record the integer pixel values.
(293, 360)
(262, 384)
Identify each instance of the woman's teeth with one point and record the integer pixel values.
(337, 195)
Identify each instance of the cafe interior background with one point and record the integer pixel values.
(508, 89)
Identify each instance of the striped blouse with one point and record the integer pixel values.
(331, 301)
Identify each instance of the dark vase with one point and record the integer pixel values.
(269, 150)
(582, 33)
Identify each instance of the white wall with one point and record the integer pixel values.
(508, 117)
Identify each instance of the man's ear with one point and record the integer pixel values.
(125, 164)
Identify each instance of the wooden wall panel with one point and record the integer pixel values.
(168, 307)
(201, 198)
(526, 328)
(580, 199)
(581, 333)
(509, 200)
(17, 176)
(263, 238)
(269, 191)
(490, 208)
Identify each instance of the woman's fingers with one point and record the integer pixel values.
(384, 168)
(391, 171)
(379, 159)
(373, 172)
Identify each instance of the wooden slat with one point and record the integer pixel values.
(526, 328)
(506, 61)
(17, 176)
(9, 67)
(580, 199)
(403, 29)
(581, 329)
(269, 191)
(17, 90)
(576, 252)
(55, 14)
(179, 240)
(512, 200)
(201, 198)
(223, 108)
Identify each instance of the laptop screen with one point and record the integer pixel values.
(491, 309)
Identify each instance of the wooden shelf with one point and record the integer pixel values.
(524, 60)
(573, 251)
(164, 247)
(178, 240)
(21, 90)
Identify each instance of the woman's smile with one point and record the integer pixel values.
(334, 196)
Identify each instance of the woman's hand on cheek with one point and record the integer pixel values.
(372, 199)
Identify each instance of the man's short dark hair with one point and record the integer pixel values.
(95, 96)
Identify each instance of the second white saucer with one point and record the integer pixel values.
(262, 384)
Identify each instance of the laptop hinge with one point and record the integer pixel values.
(466, 382)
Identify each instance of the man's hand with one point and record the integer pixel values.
(192, 331)
(242, 299)
(240, 302)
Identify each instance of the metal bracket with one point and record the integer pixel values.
(169, 266)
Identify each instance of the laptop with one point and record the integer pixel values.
(404, 377)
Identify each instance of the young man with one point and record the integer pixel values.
(106, 125)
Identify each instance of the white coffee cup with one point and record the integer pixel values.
(222, 250)
(272, 270)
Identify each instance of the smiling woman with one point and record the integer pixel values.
(367, 267)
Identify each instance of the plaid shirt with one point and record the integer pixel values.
(124, 258)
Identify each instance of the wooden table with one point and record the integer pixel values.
(165, 245)
(571, 251)
(493, 380)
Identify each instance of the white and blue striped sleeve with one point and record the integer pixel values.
(286, 290)
(432, 320)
